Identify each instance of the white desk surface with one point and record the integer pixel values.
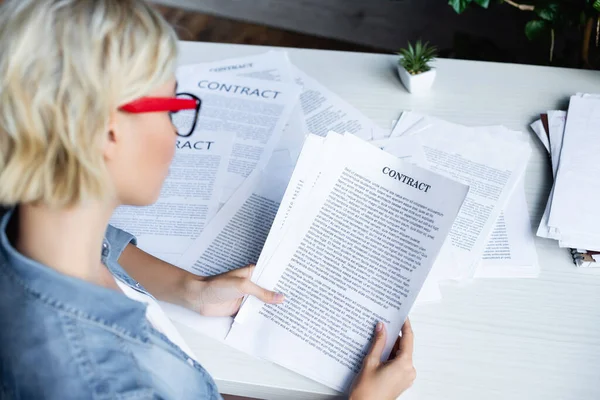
(489, 339)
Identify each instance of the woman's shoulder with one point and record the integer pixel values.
(47, 353)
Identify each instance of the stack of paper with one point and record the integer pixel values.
(492, 236)
(572, 214)
(356, 234)
(345, 218)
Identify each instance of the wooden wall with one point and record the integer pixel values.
(385, 24)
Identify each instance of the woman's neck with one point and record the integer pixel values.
(68, 240)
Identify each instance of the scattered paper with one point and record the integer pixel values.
(556, 125)
(236, 235)
(574, 216)
(510, 248)
(490, 163)
(538, 128)
(256, 111)
(269, 66)
(188, 199)
(325, 111)
(338, 261)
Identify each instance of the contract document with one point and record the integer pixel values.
(325, 111)
(270, 66)
(491, 160)
(188, 199)
(352, 245)
(256, 111)
(236, 235)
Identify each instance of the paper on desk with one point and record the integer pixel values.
(328, 319)
(325, 111)
(556, 126)
(574, 209)
(257, 111)
(304, 176)
(409, 123)
(236, 235)
(270, 66)
(409, 149)
(188, 199)
(234, 238)
(491, 164)
(406, 148)
(538, 128)
(510, 249)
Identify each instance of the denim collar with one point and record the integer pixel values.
(80, 298)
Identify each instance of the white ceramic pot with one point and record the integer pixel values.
(420, 83)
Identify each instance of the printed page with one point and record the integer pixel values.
(236, 235)
(510, 248)
(257, 111)
(270, 66)
(304, 176)
(188, 199)
(491, 160)
(303, 179)
(491, 168)
(234, 238)
(358, 252)
(325, 111)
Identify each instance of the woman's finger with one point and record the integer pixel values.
(267, 296)
(243, 272)
(406, 342)
(373, 357)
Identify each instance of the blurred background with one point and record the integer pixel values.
(543, 32)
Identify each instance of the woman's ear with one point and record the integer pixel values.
(111, 138)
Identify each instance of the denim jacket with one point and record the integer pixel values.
(65, 338)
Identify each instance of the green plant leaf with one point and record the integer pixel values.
(485, 3)
(459, 5)
(535, 28)
(415, 58)
(549, 11)
(596, 5)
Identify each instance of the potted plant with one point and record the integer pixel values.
(414, 67)
(552, 19)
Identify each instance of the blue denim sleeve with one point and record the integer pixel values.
(118, 239)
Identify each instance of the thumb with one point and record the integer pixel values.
(267, 296)
(373, 358)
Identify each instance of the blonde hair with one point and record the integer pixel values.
(65, 66)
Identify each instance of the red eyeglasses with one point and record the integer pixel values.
(183, 110)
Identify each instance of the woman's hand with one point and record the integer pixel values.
(386, 380)
(221, 295)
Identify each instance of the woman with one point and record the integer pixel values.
(86, 92)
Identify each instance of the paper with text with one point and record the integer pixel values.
(325, 111)
(576, 217)
(236, 235)
(358, 251)
(270, 66)
(491, 160)
(187, 201)
(256, 111)
(510, 249)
